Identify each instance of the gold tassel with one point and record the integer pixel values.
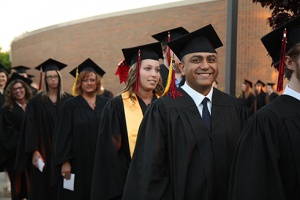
(74, 85)
(169, 78)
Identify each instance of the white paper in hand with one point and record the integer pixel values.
(41, 164)
(69, 184)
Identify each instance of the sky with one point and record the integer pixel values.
(19, 16)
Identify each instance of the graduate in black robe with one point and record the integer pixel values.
(180, 155)
(260, 95)
(267, 161)
(247, 96)
(3, 80)
(164, 37)
(75, 135)
(271, 94)
(37, 131)
(121, 119)
(18, 94)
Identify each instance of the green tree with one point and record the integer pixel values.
(282, 10)
(4, 59)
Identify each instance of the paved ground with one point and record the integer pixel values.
(3, 195)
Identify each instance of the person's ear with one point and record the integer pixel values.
(181, 67)
(290, 64)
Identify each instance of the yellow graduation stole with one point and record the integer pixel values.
(133, 116)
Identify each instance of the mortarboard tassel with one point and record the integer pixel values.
(138, 71)
(170, 86)
(41, 79)
(74, 85)
(282, 63)
(168, 50)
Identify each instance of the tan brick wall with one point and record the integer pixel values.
(102, 40)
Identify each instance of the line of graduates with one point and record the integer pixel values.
(259, 98)
(184, 140)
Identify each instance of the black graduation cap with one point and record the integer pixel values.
(16, 76)
(271, 84)
(88, 65)
(246, 81)
(260, 82)
(174, 34)
(3, 69)
(51, 64)
(149, 51)
(202, 40)
(273, 40)
(30, 76)
(20, 69)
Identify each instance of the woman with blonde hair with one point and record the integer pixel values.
(121, 118)
(37, 131)
(76, 133)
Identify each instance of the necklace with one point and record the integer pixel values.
(92, 103)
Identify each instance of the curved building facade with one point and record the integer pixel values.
(102, 37)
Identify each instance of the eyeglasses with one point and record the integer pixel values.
(52, 77)
(18, 88)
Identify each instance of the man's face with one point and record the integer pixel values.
(200, 70)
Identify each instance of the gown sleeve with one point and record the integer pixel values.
(9, 133)
(112, 153)
(62, 138)
(255, 173)
(28, 141)
(147, 177)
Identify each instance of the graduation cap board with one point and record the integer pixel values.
(202, 40)
(16, 76)
(260, 82)
(3, 69)
(88, 65)
(170, 35)
(50, 64)
(148, 51)
(246, 81)
(271, 84)
(20, 69)
(280, 41)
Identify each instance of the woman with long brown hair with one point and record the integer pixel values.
(17, 96)
(121, 118)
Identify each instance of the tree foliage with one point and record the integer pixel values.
(5, 59)
(282, 10)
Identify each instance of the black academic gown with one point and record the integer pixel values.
(267, 162)
(164, 72)
(75, 139)
(175, 157)
(249, 102)
(36, 134)
(2, 99)
(272, 96)
(11, 123)
(260, 100)
(107, 93)
(113, 155)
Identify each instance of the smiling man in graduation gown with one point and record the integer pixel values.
(267, 161)
(184, 148)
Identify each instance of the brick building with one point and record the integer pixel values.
(102, 37)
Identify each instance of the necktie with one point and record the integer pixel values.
(205, 113)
